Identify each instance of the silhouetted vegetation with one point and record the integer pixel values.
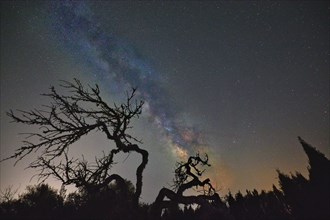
(187, 176)
(65, 121)
(105, 195)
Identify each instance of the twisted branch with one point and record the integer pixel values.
(65, 121)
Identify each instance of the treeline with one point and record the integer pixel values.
(103, 194)
(297, 197)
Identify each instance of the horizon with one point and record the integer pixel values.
(239, 81)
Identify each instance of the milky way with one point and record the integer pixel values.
(118, 67)
(251, 76)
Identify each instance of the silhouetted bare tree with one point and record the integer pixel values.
(65, 121)
(187, 176)
(8, 194)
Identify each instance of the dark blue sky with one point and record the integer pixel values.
(239, 80)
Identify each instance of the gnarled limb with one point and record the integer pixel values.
(186, 177)
(65, 121)
(160, 202)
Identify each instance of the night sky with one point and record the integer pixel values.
(237, 80)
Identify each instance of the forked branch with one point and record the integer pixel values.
(65, 120)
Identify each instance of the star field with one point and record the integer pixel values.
(238, 80)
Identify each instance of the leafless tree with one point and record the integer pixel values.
(8, 194)
(187, 176)
(65, 121)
